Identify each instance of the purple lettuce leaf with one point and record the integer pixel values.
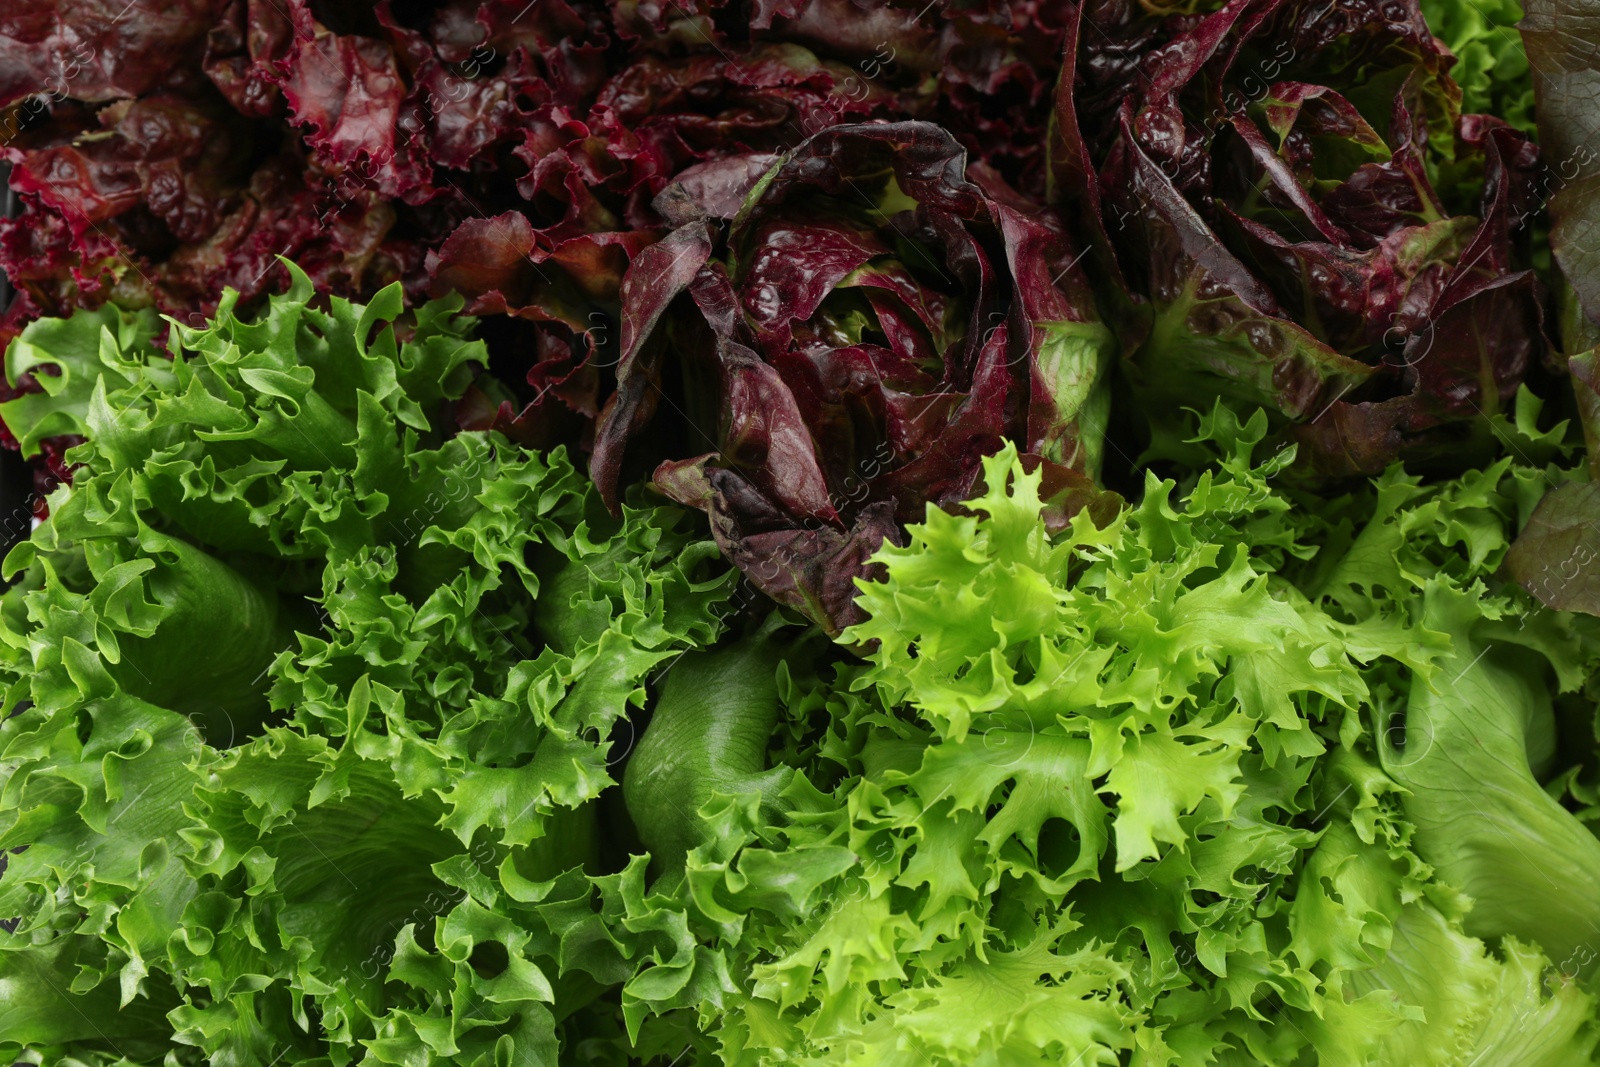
(877, 317)
(660, 274)
(1217, 328)
(1258, 185)
(1585, 370)
(101, 50)
(811, 567)
(1561, 38)
(358, 140)
(1554, 556)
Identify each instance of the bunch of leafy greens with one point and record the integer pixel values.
(1236, 778)
(314, 715)
(308, 707)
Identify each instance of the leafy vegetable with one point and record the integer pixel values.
(309, 705)
(1475, 1007)
(1199, 785)
(1231, 776)
(161, 152)
(875, 320)
(358, 705)
(1303, 219)
(708, 734)
(1553, 556)
(1561, 52)
(1491, 63)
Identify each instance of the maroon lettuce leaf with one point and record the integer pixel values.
(169, 152)
(1585, 370)
(163, 207)
(986, 71)
(1561, 36)
(566, 290)
(661, 273)
(811, 567)
(877, 317)
(1259, 184)
(241, 50)
(715, 189)
(1217, 328)
(101, 50)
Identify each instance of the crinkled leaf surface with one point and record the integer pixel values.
(312, 703)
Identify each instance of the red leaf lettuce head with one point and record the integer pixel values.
(1301, 218)
(873, 320)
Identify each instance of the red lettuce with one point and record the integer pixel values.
(1286, 207)
(1559, 35)
(874, 318)
(100, 50)
(1301, 219)
(162, 152)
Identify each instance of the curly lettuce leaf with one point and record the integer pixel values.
(313, 704)
(1129, 793)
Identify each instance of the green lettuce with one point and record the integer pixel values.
(310, 705)
(1152, 792)
(1491, 63)
(316, 718)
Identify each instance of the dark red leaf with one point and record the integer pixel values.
(101, 50)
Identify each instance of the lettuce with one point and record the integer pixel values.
(315, 712)
(1491, 62)
(309, 705)
(509, 154)
(1293, 211)
(876, 317)
(1233, 778)
(1458, 1003)
(1561, 56)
